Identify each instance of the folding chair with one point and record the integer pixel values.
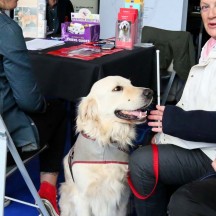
(7, 142)
(177, 56)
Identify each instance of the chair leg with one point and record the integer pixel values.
(3, 157)
(169, 85)
(6, 141)
(26, 177)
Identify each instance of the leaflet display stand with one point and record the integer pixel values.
(7, 142)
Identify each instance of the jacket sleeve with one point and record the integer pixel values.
(18, 70)
(196, 125)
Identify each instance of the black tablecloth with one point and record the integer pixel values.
(69, 78)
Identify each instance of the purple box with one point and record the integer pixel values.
(80, 31)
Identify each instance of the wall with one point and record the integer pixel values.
(108, 16)
(166, 14)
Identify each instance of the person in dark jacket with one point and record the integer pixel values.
(31, 120)
(57, 12)
(186, 142)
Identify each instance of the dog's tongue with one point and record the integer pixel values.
(135, 113)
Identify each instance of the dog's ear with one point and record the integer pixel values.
(88, 109)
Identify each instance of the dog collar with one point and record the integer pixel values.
(87, 136)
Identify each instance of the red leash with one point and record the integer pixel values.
(156, 172)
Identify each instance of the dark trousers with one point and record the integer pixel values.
(195, 199)
(177, 167)
(52, 128)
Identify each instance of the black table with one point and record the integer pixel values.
(70, 79)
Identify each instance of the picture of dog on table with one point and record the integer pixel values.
(97, 165)
(124, 28)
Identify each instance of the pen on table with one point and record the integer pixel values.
(98, 44)
(56, 38)
(95, 43)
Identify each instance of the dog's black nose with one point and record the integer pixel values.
(148, 93)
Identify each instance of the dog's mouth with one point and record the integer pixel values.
(133, 115)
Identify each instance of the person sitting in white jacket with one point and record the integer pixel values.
(186, 142)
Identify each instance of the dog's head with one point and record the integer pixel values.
(124, 25)
(112, 108)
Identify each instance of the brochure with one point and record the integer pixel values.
(84, 52)
(40, 44)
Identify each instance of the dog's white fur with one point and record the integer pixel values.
(101, 189)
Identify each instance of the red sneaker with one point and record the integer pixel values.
(48, 194)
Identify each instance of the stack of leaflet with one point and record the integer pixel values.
(126, 28)
(40, 44)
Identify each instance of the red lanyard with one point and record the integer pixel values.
(156, 173)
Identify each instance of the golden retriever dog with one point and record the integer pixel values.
(96, 167)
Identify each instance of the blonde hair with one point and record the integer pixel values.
(2, 5)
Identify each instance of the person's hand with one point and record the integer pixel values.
(214, 165)
(157, 116)
(153, 140)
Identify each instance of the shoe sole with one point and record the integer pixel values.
(49, 208)
(6, 202)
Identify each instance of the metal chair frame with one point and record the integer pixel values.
(7, 142)
(168, 87)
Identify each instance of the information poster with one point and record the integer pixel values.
(92, 5)
(165, 14)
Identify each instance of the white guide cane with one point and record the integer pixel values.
(158, 75)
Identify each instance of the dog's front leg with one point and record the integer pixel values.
(82, 206)
(124, 202)
(122, 210)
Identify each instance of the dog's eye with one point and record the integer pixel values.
(118, 88)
